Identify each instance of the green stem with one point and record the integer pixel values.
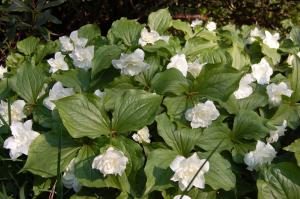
(3, 121)
(59, 183)
(9, 111)
(215, 149)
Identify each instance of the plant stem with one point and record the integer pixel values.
(59, 184)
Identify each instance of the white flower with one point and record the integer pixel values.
(184, 197)
(291, 58)
(271, 40)
(69, 179)
(244, 90)
(186, 168)
(151, 37)
(82, 57)
(57, 92)
(263, 154)
(202, 114)
(131, 64)
(262, 71)
(211, 26)
(99, 93)
(275, 91)
(58, 63)
(274, 135)
(142, 135)
(195, 68)
(111, 162)
(16, 110)
(179, 62)
(22, 137)
(78, 42)
(66, 44)
(196, 22)
(255, 33)
(2, 71)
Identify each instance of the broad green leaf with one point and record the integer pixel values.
(28, 46)
(295, 79)
(249, 125)
(196, 45)
(79, 79)
(42, 116)
(28, 82)
(241, 147)
(42, 156)
(239, 58)
(176, 106)
(215, 56)
(203, 194)
(4, 88)
(220, 175)
(44, 50)
(287, 112)
(158, 170)
(83, 116)
(89, 31)
(170, 81)
(217, 81)
(180, 140)
(184, 27)
(135, 110)
(127, 30)
(271, 53)
(295, 35)
(295, 147)
(279, 181)
(103, 57)
(214, 134)
(160, 20)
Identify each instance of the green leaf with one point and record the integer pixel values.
(42, 116)
(103, 57)
(295, 35)
(271, 53)
(217, 81)
(184, 27)
(78, 78)
(294, 147)
(83, 115)
(29, 45)
(135, 110)
(42, 156)
(158, 170)
(171, 81)
(28, 82)
(295, 79)
(196, 45)
(127, 30)
(214, 134)
(239, 58)
(197, 193)
(220, 175)
(289, 113)
(215, 56)
(160, 20)
(176, 106)
(279, 181)
(249, 125)
(181, 140)
(89, 31)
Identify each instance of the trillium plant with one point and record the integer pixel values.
(168, 109)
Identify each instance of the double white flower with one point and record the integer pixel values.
(202, 114)
(211, 26)
(57, 63)
(179, 62)
(280, 130)
(131, 64)
(21, 139)
(57, 92)
(69, 179)
(262, 71)
(2, 71)
(111, 162)
(150, 37)
(196, 22)
(99, 93)
(183, 197)
(263, 154)
(68, 44)
(142, 135)
(186, 168)
(16, 111)
(275, 91)
(291, 58)
(271, 40)
(245, 89)
(254, 34)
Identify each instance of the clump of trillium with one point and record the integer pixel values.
(21, 139)
(57, 92)
(186, 168)
(263, 154)
(270, 40)
(142, 135)
(150, 37)
(262, 72)
(112, 162)
(131, 64)
(202, 114)
(275, 91)
(69, 179)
